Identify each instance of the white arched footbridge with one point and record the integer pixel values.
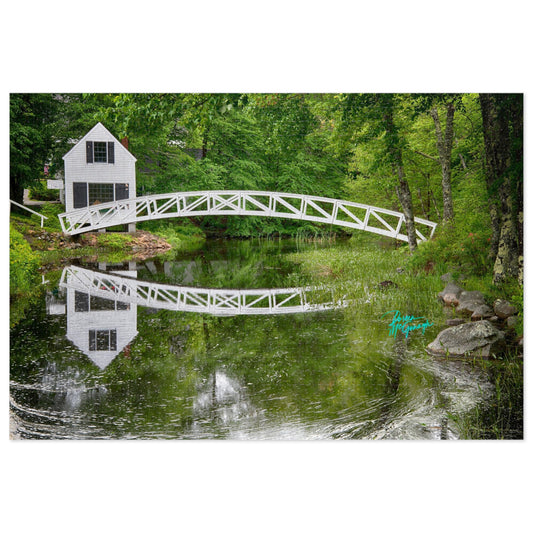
(250, 203)
(218, 302)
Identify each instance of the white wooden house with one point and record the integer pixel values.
(98, 169)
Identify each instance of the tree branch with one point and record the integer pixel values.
(428, 156)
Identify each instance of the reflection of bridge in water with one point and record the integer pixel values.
(219, 302)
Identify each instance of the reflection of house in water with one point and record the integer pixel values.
(223, 399)
(100, 325)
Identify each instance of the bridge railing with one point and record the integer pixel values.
(250, 203)
(221, 302)
(31, 211)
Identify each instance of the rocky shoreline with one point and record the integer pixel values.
(480, 330)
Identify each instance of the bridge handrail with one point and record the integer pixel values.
(127, 210)
(30, 210)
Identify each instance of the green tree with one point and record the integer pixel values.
(30, 138)
(381, 121)
(503, 139)
(444, 141)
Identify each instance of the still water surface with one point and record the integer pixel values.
(108, 358)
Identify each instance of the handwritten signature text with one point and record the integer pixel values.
(405, 324)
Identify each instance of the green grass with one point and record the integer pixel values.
(355, 272)
(502, 417)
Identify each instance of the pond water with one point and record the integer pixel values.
(212, 345)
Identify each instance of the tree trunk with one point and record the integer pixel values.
(404, 195)
(501, 172)
(395, 154)
(444, 147)
(16, 192)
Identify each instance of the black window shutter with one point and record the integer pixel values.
(113, 339)
(79, 190)
(81, 302)
(92, 340)
(89, 149)
(111, 152)
(122, 191)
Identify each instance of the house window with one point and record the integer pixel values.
(100, 152)
(97, 193)
(83, 303)
(101, 304)
(100, 193)
(102, 339)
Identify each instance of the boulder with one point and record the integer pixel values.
(450, 294)
(469, 301)
(455, 321)
(472, 338)
(504, 309)
(480, 312)
(511, 322)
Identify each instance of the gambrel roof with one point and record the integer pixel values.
(106, 136)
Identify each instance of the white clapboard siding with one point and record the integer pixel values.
(77, 168)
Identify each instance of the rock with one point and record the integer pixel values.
(480, 312)
(399, 270)
(455, 321)
(387, 284)
(450, 294)
(511, 322)
(472, 338)
(469, 300)
(447, 278)
(504, 309)
(494, 319)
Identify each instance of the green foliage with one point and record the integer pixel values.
(31, 138)
(39, 191)
(454, 248)
(23, 264)
(181, 234)
(503, 417)
(51, 211)
(116, 241)
(335, 145)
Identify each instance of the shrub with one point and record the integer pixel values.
(51, 211)
(452, 247)
(114, 240)
(23, 263)
(40, 191)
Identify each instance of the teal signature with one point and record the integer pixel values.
(405, 323)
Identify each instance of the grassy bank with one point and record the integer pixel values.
(50, 246)
(34, 249)
(396, 280)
